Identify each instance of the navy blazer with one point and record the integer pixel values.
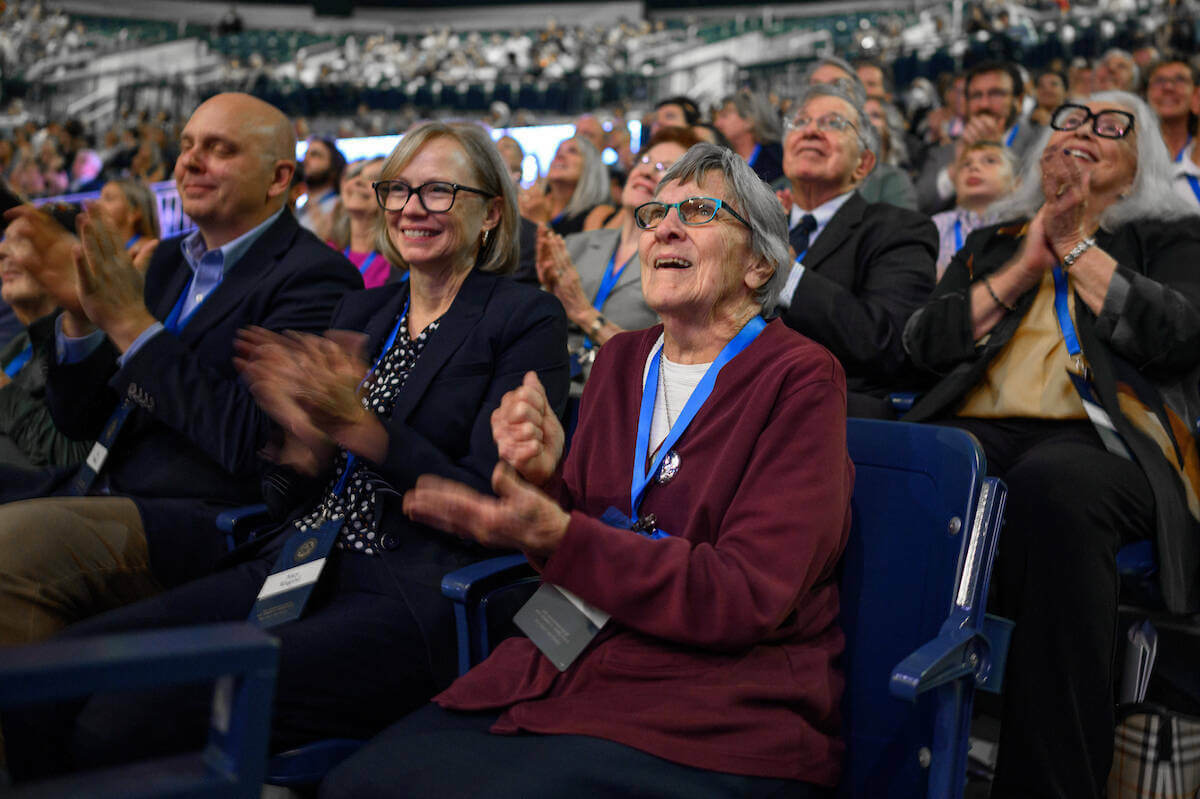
(868, 271)
(189, 448)
(494, 332)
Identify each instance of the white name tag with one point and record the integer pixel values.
(294, 577)
(97, 456)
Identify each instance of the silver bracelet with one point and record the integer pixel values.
(1079, 249)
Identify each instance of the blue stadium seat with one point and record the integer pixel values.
(241, 658)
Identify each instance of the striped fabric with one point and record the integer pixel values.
(1156, 755)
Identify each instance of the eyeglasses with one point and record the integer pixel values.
(1109, 124)
(657, 166)
(991, 94)
(692, 211)
(828, 122)
(1162, 81)
(436, 197)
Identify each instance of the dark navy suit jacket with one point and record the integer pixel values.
(868, 271)
(189, 448)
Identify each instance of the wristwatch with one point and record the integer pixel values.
(1079, 249)
(597, 325)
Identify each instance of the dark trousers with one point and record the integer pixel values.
(1071, 506)
(436, 752)
(355, 662)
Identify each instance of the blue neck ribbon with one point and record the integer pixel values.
(958, 237)
(642, 475)
(18, 362)
(366, 264)
(1183, 149)
(754, 155)
(611, 275)
(1195, 184)
(134, 239)
(351, 459)
(1063, 310)
(175, 321)
(1012, 135)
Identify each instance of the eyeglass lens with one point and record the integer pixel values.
(434, 197)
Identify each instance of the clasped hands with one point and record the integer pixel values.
(521, 516)
(1068, 214)
(312, 386)
(556, 271)
(91, 276)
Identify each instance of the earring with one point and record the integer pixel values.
(485, 237)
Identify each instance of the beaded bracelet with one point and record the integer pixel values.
(987, 284)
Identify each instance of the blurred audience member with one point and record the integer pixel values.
(1050, 91)
(986, 172)
(575, 183)
(1171, 90)
(513, 155)
(322, 167)
(1117, 72)
(752, 126)
(676, 112)
(356, 222)
(131, 210)
(887, 183)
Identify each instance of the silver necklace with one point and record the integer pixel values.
(670, 462)
(662, 383)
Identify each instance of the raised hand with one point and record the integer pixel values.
(1066, 184)
(518, 517)
(528, 435)
(111, 288)
(557, 272)
(54, 268)
(534, 203)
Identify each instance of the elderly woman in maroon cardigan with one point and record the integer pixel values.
(697, 523)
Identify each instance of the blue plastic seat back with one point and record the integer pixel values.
(914, 494)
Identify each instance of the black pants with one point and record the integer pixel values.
(436, 752)
(355, 662)
(1071, 506)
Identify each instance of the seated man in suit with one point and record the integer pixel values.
(994, 92)
(861, 268)
(144, 365)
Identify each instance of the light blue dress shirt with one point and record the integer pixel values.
(208, 270)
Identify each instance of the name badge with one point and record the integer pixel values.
(1099, 417)
(559, 623)
(97, 456)
(286, 590)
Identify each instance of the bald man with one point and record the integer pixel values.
(145, 368)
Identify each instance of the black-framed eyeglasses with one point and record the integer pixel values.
(692, 211)
(436, 197)
(1109, 123)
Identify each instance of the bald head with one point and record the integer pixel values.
(237, 157)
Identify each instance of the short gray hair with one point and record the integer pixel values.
(852, 84)
(756, 109)
(754, 200)
(1152, 195)
(867, 135)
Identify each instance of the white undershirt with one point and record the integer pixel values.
(680, 380)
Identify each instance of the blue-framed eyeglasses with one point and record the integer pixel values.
(692, 211)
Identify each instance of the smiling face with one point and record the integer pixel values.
(568, 162)
(1170, 90)
(699, 273)
(357, 195)
(1111, 162)
(227, 180)
(433, 242)
(832, 158)
(643, 178)
(17, 286)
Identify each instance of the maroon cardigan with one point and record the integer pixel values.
(722, 645)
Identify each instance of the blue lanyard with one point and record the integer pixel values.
(1195, 184)
(16, 364)
(1012, 135)
(366, 264)
(351, 458)
(1061, 307)
(133, 240)
(958, 242)
(754, 155)
(641, 475)
(606, 285)
(1183, 149)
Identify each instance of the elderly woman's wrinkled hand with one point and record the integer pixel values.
(527, 432)
(557, 272)
(518, 517)
(1066, 183)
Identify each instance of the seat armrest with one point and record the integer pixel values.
(238, 519)
(463, 583)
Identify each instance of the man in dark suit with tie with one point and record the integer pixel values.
(145, 367)
(861, 268)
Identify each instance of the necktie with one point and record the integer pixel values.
(800, 233)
